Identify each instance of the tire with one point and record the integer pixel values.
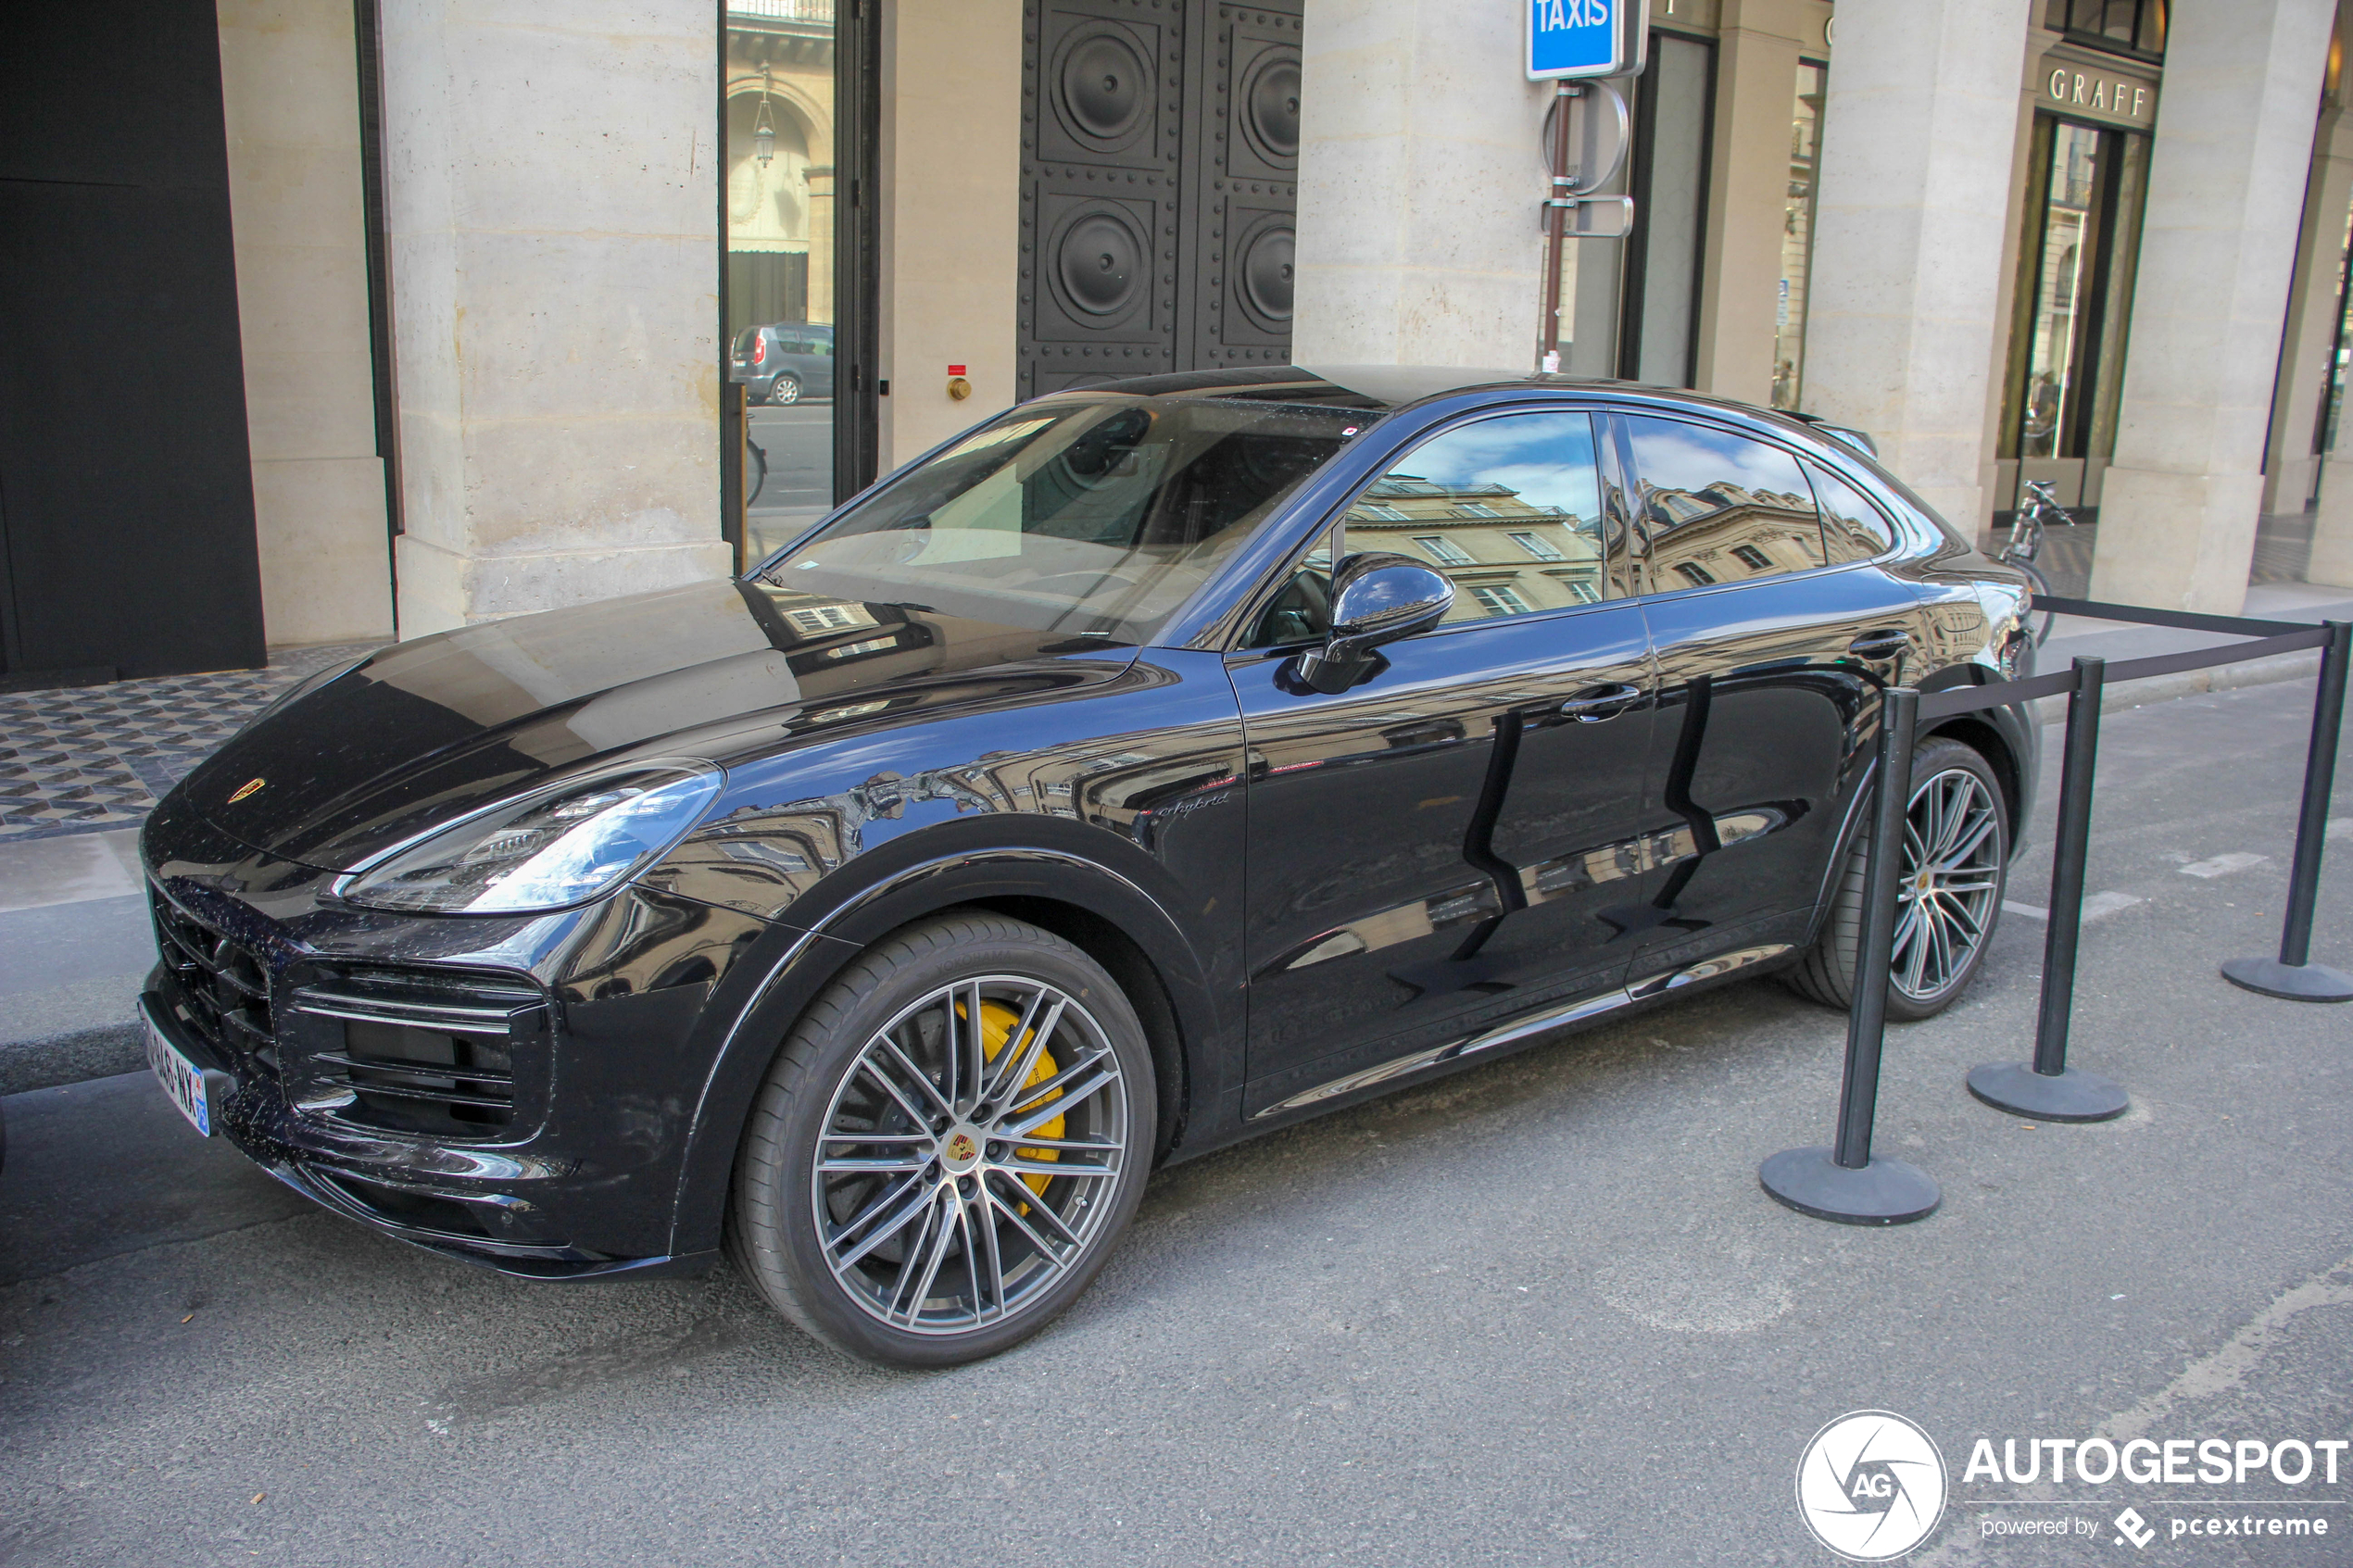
(1970, 895)
(785, 389)
(943, 1244)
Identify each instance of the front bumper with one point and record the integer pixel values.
(475, 1204)
(518, 1092)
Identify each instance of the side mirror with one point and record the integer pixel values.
(1377, 598)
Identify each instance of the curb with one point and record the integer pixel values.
(2192, 682)
(86, 1054)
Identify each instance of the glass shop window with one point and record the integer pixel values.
(778, 296)
(2085, 187)
(1658, 338)
(2121, 26)
(1797, 235)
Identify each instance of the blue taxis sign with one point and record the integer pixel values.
(1574, 39)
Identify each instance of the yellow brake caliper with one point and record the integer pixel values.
(996, 1024)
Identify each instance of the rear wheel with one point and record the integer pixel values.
(1956, 847)
(785, 389)
(947, 1146)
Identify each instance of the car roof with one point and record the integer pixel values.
(1385, 388)
(1381, 387)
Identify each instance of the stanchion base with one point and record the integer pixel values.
(2074, 1096)
(1885, 1192)
(2290, 983)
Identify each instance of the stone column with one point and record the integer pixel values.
(290, 98)
(1420, 174)
(2313, 299)
(1907, 290)
(2226, 180)
(553, 218)
(1758, 48)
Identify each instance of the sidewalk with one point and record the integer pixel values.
(80, 768)
(2073, 636)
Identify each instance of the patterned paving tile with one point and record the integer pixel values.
(95, 758)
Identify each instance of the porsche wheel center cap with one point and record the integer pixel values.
(960, 1150)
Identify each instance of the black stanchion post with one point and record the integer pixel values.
(2292, 976)
(1846, 1182)
(2048, 1089)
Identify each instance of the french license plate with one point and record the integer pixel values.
(181, 1079)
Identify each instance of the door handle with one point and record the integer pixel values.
(1597, 703)
(1881, 645)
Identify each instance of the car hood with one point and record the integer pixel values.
(428, 729)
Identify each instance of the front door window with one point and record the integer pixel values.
(1509, 508)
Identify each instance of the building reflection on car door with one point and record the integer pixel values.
(1434, 849)
(1772, 648)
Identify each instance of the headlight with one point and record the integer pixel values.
(563, 844)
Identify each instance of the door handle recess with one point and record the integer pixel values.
(1882, 645)
(1600, 702)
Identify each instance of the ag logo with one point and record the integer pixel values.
(246, 788)
(1870, 1486)
(961, 1147)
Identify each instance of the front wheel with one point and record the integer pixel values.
(1956, 847)
(947, 1146)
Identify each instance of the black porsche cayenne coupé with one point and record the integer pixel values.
(1148, 766)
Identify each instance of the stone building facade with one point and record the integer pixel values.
(499, 266)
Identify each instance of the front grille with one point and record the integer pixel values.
(222, 986)
(412, 1051)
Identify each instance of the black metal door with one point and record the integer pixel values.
(126, 487)
(1160, 161)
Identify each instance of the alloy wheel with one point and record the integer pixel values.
(969, 1155)
(1952, 876)
(785, 389)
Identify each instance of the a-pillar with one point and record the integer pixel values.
(1419, 186)
(555, 303)
(1907, 293)
(2234, 128)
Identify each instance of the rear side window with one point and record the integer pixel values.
(1716, 507)
(1851, 528)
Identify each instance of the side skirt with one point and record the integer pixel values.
(1519, 1029)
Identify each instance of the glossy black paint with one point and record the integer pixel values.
(1291, 883)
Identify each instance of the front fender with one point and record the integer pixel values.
(921, 875)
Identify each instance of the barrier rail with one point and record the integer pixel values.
(1844, 1182)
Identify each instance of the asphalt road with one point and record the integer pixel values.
(1536, 1313)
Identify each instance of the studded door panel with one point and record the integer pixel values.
(1159, 152)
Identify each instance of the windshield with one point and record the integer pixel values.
(1094, 517)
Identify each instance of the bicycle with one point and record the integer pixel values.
(2027, 525)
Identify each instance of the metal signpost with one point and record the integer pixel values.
(1577, 44)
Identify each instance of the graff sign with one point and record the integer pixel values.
(2089, 92)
